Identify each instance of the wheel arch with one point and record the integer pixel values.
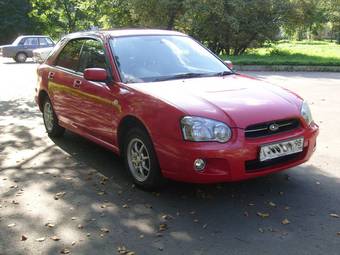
(41, 98)
(125, 125)
(23, 52)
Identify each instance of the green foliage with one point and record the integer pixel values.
(157, 13)
(234, 25)
(58, 17)
(14, 19)
(334, 18)
(225, 26)
(306, 17)
(309, 53)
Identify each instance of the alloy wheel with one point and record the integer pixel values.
(138, 159)
(48, 116)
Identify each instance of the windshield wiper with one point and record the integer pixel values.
(224, 73)
(181, 76)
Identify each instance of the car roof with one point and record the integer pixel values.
(131, 32)
(25, 36)
(124, 32)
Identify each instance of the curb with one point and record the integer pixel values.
(284, 68)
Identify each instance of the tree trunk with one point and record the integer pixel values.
(70, 21)
(171, 21)
(227, 50)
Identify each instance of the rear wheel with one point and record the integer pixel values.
(140, 159)
(21, 57)
(50, 120)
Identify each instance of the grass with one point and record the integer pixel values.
(306, 53)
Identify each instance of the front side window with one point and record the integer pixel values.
(155, 58)
(69, 56)
(92, 55)
(19, 41)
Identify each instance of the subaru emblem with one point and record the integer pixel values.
(274, 127)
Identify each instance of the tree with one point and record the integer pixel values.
(14, 19)
(233, 26)
(305, 18)
(58, 17)
(334, 18)
(156, 13)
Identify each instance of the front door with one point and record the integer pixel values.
(28, 45)
(97, 97)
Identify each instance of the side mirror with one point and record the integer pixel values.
(229, 64)
(95, 74)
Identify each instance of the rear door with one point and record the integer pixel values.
(62, 84)
(97, 97)
(29, 44)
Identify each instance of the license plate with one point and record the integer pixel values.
(280, 149)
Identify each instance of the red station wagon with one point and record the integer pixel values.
(171, 108)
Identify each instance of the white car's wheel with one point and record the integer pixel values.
(21, 57)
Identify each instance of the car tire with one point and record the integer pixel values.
(21, 57)
(141, 161)
(50, 120)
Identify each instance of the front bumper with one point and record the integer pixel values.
(234, 161)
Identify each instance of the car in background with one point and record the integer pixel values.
(22, 48)
(171, 108)
(40, 55)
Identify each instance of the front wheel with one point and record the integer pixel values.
(50, 120)
(140, 159)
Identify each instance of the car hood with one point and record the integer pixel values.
(6, 46)
(236, 99)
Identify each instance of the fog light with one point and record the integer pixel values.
(199, 164)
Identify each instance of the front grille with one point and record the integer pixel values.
(253, 166)
(263, 129)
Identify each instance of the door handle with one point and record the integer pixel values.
(51, 75)
(76, 84)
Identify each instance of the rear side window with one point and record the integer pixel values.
(31, 41)
(69, 56)
(92, 55)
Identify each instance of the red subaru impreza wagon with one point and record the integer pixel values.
(171, 108)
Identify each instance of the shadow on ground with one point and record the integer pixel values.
(100, 209)
(15, 63)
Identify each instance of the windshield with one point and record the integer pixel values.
(156, 58)
(16, 41)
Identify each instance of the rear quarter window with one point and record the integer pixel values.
(31, 41)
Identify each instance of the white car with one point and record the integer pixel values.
(39, 55)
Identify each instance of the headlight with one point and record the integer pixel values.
(306, 113)
(199, 129)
